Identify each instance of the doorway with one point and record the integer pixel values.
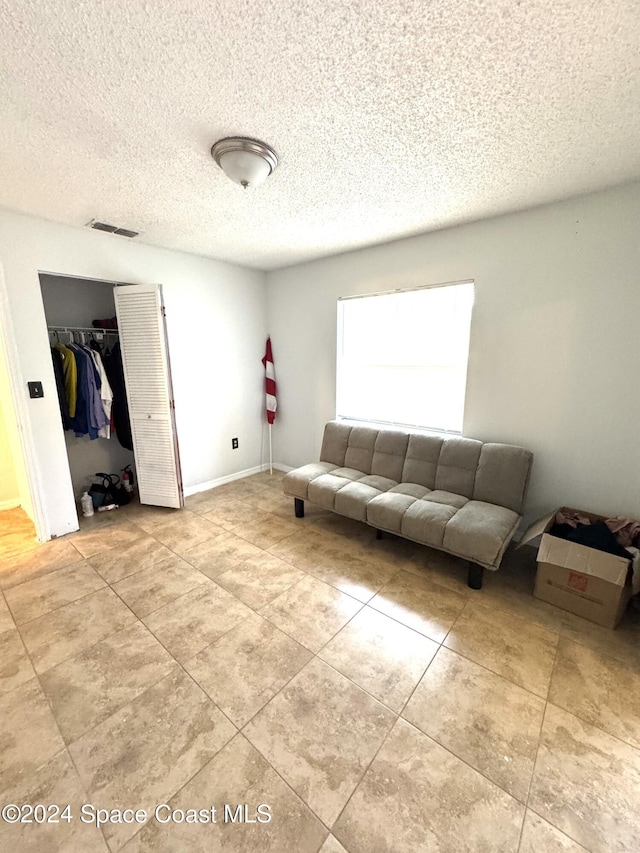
(21, 523)
(115, 335)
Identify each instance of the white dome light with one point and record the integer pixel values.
(247, 162)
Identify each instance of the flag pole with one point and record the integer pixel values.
(270, 453)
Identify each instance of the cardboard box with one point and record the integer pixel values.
(582, 580)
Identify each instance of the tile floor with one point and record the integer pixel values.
(229, 653)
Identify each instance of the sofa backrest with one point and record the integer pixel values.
(495, 473)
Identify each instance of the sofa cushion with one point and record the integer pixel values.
(457, 465)
(503, 474)
(449, 498)
(389, 453)
(352, 499)
(348, 473)
(425, 521)
(412, 489)
(323, 489)
(296, 482)
(359, 453)
(421, 461)
(387, 510)
(479, 531)
(335, 442)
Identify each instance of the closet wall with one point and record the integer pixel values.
(77, 302)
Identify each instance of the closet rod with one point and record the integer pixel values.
(87, 329)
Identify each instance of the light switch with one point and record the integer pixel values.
(35, 390)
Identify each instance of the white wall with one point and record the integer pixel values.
(216, 327)
(554, 361)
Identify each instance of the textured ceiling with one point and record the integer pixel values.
(390, 117)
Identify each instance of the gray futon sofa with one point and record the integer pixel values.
(459, 495)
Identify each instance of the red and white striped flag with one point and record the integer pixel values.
(270, 383)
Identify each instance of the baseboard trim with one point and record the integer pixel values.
(221, 481)
(12, 503)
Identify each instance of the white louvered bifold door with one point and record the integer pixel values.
(147, 377)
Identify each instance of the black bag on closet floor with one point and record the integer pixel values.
(109, 491)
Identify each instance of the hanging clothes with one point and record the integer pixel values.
(58, 371)
(106, 394)
(115, 373)
(70, 372)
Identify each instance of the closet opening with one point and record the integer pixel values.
(113, 381)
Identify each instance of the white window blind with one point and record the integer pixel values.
(402, 356)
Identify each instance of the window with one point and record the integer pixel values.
(402, 356)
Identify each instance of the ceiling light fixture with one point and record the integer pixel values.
(247, 162)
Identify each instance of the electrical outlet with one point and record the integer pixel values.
(234, 443)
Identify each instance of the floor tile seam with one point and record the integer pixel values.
(65, 748)
(355, 684)
(570, 837)
(404, 624)
(100, 640)
(240, 536)
(283, 779)
(115, 547)
(593, 725)
(284, 687)
(5, 589)
(255, 609)
(66, 603)
(339, 589)
(418, 682)
(535, 767)
(290, 636)
(500, 605)
(364, 773)
(204, 648)
(309, 575)
(518, 800)
(620, 661)
(135, 698)
(535, 759)
(167, 603)
(540, 628)
(147, 687)
(239, 733)
(115, 633)
(499, 675)
(137, 571)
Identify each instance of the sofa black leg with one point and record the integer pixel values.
(378, 534)
(474, 578)
(299, 507)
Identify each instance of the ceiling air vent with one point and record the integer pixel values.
(111, 229)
